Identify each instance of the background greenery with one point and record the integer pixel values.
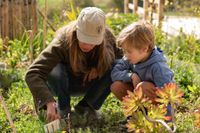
(182, 52)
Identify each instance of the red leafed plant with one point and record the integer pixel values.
(147, 117)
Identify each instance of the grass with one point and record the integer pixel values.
(20, 103)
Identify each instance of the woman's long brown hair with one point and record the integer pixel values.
(102, 55)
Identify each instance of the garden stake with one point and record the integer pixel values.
(7, 113)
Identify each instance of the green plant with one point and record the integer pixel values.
(7, 77)
(73, 13)
(20, 105)
(118, 21)
(194, 90)
(152, 120)
(184, 47)
(18, 51)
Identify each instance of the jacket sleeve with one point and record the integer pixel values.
(121, 71)
(37, 73)
(161, 74)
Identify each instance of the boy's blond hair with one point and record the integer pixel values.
(137, 35)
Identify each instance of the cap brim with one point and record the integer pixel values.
(88, 39)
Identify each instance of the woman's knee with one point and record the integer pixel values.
(57, 80)
(58, 72)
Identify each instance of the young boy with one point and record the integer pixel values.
(143, 65)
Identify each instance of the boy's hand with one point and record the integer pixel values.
(135, 79)
(148, 90)
(52, 113)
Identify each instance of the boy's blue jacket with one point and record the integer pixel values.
(154, 70)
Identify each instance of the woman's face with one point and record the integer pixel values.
(85, 47)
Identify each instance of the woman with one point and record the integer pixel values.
(78, 61)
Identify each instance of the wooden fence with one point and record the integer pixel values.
(146, 4)
(17, 16)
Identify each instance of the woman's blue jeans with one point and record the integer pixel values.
(63, 84)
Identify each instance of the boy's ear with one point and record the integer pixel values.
(145, 49)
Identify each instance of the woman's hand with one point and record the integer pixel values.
(52, 113)
(92, 74)
(135, 80)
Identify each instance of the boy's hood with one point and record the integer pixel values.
(156, 56)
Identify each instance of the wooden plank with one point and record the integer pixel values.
(32, 32)
(152, 4)
(14, 18)
(135, 9)
(15, 13)
(24, 14)
(10, 19)
(1, 6)
(26, 21)
(19, 22)
(45, 25)
(126, 6)
(34, 16)
(3, 19)
(29, 14)
(17, 19)
(160, 12)
(31, 51)
(145, 6)
(6, 17)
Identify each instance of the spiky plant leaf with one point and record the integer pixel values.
(132, 101)
(136, 122)
(169, 93)
(129, 104)
(157, 112)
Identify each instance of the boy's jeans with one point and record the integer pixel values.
(63, 84)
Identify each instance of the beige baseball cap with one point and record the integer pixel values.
(90, 27)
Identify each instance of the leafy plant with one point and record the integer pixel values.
(72, 15)
(194, 90)
(118, 21)
(184, 47)
(148, 117)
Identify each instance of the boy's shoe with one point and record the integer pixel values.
(168, 116)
